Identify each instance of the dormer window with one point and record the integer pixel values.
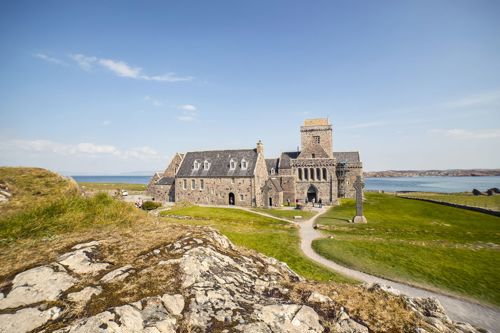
(232, 164)
(244, 164)
(196, 165)
(206, 165)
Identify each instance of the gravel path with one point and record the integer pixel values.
(458, 310)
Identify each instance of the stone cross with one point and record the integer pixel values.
(358, 186)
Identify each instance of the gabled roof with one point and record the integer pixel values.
(272, 163)
(219, 163)
(286, 157)
(347, 156)
(165, 181)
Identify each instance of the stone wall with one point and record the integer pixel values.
(216, 191)
(174, 165)
(326, 187)
(346, 178)
(308, 142)
(163, 193)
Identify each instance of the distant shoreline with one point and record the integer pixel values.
(433, 173)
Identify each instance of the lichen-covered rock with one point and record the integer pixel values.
(43, 283)
(81, 260)
(118, 274)
(26, 320)
(84, 295)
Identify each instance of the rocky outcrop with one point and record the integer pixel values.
(210, 286)
(5, 194)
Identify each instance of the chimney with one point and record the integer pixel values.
(260, 148)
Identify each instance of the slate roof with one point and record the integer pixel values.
(347, 156)
(219, 163)
(286, 157)
(165, 181)
(272, 163)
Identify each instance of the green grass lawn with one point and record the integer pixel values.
(425, 243)
(287, 213)
(111, 186)
(269, 236)
(483, 201)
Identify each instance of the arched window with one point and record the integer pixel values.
(318, 173)
(193, 184)
(325, 174)
(244, 164)
(300, 173)
(232, 164)
(312, 173)
(206, 165)
(306, 174)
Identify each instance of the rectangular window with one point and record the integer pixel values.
(202, 184)
(316, 139)
(193, 184)
(242, 197)
(184, 184)
(232, 180)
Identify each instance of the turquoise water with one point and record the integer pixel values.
(425, 184)
(113, 179)
(432, 184)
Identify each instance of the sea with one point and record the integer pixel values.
(422, 184)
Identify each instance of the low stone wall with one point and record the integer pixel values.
(475, 209)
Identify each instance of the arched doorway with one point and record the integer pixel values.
(231, 199)
(312, 194)
(270, 202)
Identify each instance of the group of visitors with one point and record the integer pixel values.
(306, 201)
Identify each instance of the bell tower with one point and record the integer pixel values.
(316, 139)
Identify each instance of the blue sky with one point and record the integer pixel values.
(118, 86)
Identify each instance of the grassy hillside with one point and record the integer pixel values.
(44, 204)
(269, 236)
(425, 243)
(468, 199)
(111, 186)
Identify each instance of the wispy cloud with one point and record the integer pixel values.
(84, 62)
(122, 69)
(106, 123)
(491, 98)
(153, 101)
(366, 125)
(189, 112)
(460, 133)
(82, 149)
(49, 59)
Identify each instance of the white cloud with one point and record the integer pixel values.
(106, 123)
(122, 69)
(189, 112)
(83, 61)
(81, 149)
(460, 133)
(49, 59)
(187, 107)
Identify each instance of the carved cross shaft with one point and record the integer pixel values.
(358, 186)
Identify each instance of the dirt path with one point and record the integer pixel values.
(458, 310)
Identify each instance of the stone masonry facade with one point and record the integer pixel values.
(245, 178)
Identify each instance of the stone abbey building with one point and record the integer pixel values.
(244, 177)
